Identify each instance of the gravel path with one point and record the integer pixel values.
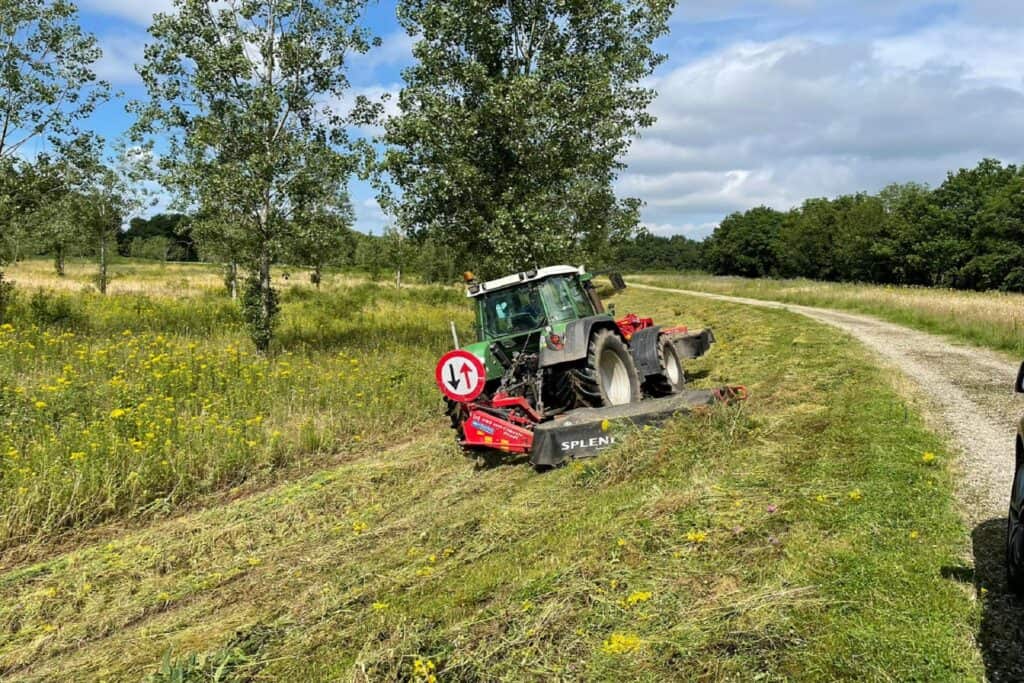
(967, 393)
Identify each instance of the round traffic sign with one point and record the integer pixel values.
(460, 375)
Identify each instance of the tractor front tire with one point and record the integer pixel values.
(609, 377)
(671, 379)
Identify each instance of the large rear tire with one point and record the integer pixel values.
(609, 377)
(671, 379)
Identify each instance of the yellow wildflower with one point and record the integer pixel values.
(695, 536)
(620, 643)
(855, 495)
(359, 527)
(116, 413)
(40, 405)
(927, 457)
(637, 597)
(380, 606)
(913, 535)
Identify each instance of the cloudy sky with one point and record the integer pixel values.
(763, 102)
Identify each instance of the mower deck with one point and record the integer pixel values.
(587, 431)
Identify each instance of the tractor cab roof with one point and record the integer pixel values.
(515, 279)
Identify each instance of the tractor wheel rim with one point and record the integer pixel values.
(671, 366)
(614, 378)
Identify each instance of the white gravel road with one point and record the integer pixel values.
(967, 393)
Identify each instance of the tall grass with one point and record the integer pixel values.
(129, 403)
(990, 319)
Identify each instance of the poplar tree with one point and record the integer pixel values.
(513, 123)
(247, 93)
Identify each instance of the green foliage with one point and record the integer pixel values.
(174, 230)
(652, 252)
(6, 295)
(46, 73)
(967, 233)
(260, 309)
(513, 123)
(745, 244)
(324, 239)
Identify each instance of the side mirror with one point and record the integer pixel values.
(1019, 386)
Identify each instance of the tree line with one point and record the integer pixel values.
(967, 233)
(511, 126)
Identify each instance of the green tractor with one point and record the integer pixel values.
(546, 346)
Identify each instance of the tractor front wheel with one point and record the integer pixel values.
(671, 379)
(609, 377)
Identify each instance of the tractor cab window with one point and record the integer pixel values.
(565, 299)
(512, 311)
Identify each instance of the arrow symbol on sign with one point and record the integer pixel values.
(453, 380)
(467, 372)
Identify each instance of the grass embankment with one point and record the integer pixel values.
(800, 536)
(993, 320)
(131, 404)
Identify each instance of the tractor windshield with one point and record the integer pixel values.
(565, 300)
(511, 311)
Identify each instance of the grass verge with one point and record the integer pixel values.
(992, 320)
(802, 536)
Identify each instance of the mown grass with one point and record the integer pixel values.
(802, 536)
(130, 403)
(993, 320)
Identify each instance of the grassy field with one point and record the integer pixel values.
(991, 319)
(135, 403)
(803, 535)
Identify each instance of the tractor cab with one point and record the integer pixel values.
(529, 301)
(517, 312)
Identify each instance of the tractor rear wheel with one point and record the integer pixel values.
(671, 379)
(609, 377)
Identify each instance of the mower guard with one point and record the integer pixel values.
(588, 431)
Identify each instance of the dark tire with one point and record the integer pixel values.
(609, 377)
(454, 411)
(1015, 533)
(671, 379)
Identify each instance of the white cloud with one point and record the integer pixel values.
(778, 121)
(395, 49)
(120, 55)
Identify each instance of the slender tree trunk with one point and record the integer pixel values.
(398, 277)
(317, 275)
(266, 318)
(233, 279)
(102, 281)
(58, 260)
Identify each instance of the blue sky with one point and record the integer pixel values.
(760, 102)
